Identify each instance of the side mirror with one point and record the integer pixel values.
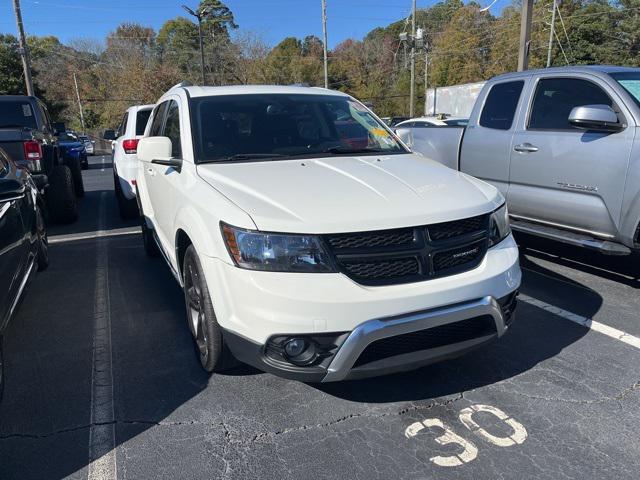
(109, 135)
(11, 189)
(595, 117)
(154, 148)
(158, 150)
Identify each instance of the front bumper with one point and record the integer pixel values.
(351, 360)
(254, 307)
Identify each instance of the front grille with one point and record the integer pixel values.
(448, 334)
(372, 239)
(413, 254)
(396, 268)
(441, 231)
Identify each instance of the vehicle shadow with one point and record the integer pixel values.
(620, 269)
(513, 354)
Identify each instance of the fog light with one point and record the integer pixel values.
(299, 352)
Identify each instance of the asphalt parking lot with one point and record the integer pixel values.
(100, 366)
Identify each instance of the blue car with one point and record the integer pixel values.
(74, 155)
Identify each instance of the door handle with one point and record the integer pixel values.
(525, 148)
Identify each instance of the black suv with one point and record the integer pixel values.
(23, 239)
(28, 137)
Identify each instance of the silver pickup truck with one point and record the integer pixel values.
(562, 145)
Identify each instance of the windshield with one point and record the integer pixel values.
(16, 115)
(67, 137)
(630, 81)
(458, 122)
(243, 127)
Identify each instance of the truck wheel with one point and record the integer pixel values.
(128, 207)
(207, 334)
(76, 173)
(43, 241)
(61, 197)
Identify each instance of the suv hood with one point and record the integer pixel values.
(349, 194)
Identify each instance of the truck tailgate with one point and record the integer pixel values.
(441, 144)
(11, 142)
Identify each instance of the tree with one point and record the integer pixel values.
(11, 76)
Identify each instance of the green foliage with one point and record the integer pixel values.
(11, 80)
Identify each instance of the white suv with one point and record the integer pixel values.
(311, 243)
(125, 160)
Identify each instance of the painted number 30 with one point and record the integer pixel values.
(468, 450)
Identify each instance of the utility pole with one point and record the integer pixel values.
(551, 33)
(412, 89)
(75, 81)
(24, 50)
(200, 15)
(525, 35)
(324, 34)
(426, 76)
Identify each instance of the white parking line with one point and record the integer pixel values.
(584, 321)
(102, 453)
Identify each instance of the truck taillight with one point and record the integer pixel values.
(32, 150)
(130, 146)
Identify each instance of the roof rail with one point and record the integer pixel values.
(183, 83)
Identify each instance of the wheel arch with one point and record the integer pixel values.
(181, 244)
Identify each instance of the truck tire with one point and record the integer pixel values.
(43, 241)
(201, 318)
(128, 207)
(76, 173)
(61, 197)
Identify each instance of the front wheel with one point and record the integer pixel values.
(201, 317)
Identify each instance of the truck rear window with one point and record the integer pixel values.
(500, 105)
(17, 115)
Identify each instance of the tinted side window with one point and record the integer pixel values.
(172, 129)
(556, 97)
(141, 121)
(500, 105)
(158, 115)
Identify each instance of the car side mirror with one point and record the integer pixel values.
(595, 117)
(11, 189)
(154, 148)
(109, 135)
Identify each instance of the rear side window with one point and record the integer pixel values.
(141, 121)
(500, 105)
(16, 115)
(158, 116)
(172, 129)
(556, 97)
(123, 125)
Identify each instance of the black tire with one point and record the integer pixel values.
(61, 197)
(201, 317)
(76, 172)
(128, 208)
(43, 241)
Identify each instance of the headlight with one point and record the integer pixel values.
(499, 228)
(276, 252)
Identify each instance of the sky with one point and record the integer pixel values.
(272, 19)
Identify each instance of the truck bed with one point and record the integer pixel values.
(441, 144)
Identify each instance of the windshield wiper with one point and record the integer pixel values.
(245, 156)
(352, 150)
